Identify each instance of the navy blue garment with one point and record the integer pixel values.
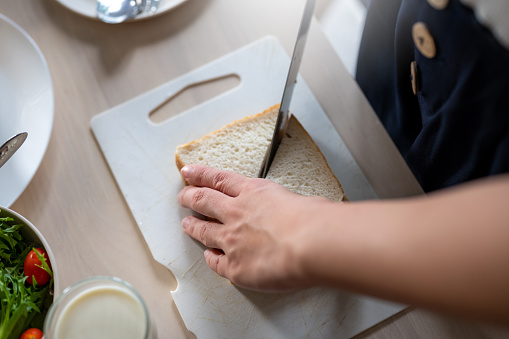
(456, 128)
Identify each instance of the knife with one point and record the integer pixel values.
(283, 116)
(11, 146)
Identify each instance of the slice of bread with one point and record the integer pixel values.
(240, 147)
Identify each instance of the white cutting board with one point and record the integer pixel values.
(141, 157)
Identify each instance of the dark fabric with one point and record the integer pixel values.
(457, 128)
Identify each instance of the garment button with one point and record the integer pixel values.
(414, 76)
(423, 40)
(438, 4)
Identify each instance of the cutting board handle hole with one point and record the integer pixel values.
(193, 95)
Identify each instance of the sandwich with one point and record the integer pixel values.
(240, 147)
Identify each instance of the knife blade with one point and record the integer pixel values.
(283, 116)
(11, 146)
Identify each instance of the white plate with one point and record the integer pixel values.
(88, 7)
(26, 105)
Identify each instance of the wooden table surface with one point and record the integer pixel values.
(73, 198)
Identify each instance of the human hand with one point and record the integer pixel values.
(263, 231)
(269, 238)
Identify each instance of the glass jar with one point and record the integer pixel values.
(99, 307)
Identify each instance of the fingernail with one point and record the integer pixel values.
(185, 223)
(186, 171)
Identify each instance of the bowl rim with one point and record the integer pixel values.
(43, 242)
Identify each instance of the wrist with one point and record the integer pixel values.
(318, 244)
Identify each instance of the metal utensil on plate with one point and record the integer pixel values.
(151, 5)
(283, 115)
(11, 146)
(117, 11)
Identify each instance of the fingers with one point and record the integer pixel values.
(206, 201)
(217, 261)
(206, 232)
(227, 182)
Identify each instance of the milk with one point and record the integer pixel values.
(99, 308)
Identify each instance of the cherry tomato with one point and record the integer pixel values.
(32, 333)
(32, 267)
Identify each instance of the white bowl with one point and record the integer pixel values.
(31, 233)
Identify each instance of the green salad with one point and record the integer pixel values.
(23, 302)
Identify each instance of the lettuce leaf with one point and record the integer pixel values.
(22, 306)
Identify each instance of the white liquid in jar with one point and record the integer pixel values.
(102, 312)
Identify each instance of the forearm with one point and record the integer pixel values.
(446, 251)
